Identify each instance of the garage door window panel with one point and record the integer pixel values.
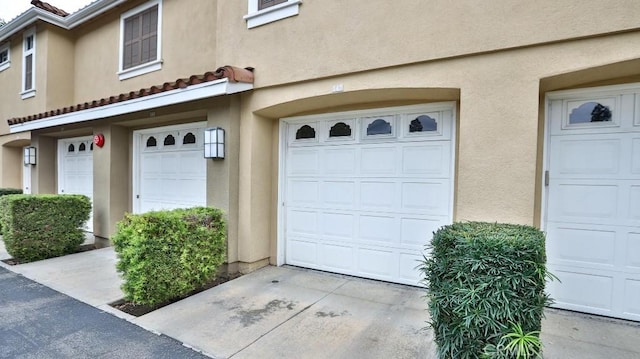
(598, 112)
(152, 142)
(188, 139)
(422, 124)
(340, 130)
(379, 127)
(169, 140)
(305, 132)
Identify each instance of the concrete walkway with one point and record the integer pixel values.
(287, 312)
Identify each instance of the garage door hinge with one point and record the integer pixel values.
(546, 178)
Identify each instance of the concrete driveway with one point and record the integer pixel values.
(288, 312)
(297, 313)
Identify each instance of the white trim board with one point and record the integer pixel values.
(191, 93)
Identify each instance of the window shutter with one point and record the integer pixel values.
(263, 4)
(140, 38)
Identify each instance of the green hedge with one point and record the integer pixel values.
(166, 254)
(37, 227)
(7, 191)
(484, 278)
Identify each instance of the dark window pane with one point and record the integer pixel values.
(423, 123)
(82, 147)
(169, 140)
(305, 131)
(340, 129)
(28, 72)
(71, 148)
(151, 142)
(379, 127)
(4, 56)
(91, 147)
(189, 138)
(590, 112)
(263, 4)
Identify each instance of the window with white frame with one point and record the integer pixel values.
(265, 11)
(140, 40)
(5, 56)
(29, 63)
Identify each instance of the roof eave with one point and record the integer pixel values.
(34, 14)
(196, 92)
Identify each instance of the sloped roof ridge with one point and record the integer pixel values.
(234, 74)
(48, 7)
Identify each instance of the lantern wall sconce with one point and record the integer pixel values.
(214, 143)
(29, 156)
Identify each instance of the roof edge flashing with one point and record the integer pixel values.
(181, 95)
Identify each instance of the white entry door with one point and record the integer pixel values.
(593, 200)
(363, 191)
(75, 169)
(170, 170)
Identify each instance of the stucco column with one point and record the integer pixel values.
(255, 191)
(497, 139)
(43, 174)
(222, 175)
(111, 179)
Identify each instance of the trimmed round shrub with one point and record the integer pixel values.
(484, 278)
(164, 255)
(36, 227)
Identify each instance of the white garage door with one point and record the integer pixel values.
(170, 170)
(593, 201)
(363, 191)
(75, 169)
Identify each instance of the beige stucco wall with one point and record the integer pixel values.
(499, 128)
(188, 48)
(332, 37)
(11, 103)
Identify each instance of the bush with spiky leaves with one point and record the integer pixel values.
(481, 278)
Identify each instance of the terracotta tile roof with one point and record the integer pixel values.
(234, 74)
(48, 7)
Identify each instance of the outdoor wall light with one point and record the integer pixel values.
(29, 155)
(214, 143)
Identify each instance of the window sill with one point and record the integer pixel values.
(140, 70)
(28, 94)
(273, 13)
(5, 66)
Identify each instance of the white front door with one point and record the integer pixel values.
(593, 201)
(75, 169)
(363, 191)
(170, 170)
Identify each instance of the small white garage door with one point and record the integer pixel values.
(170, 170)
(363, 191)
(593, 201)
(75, 169)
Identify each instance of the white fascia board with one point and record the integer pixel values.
(172, 97)
(79, 17)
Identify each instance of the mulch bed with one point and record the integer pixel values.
(138, 310)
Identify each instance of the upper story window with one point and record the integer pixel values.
(5, 56)
(140, 40)
(265, 11)
(29, 63)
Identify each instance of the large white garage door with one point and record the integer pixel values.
(593, 201)
(75, 169)
(170, 170)
(363, 191)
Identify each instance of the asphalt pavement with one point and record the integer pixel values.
(38, 322)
